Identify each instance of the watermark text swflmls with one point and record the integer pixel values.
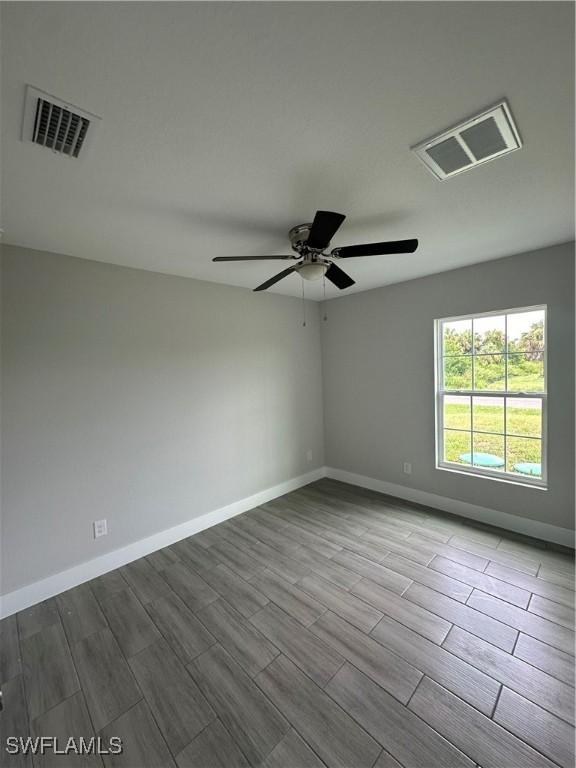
(81, 745)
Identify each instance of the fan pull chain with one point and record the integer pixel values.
(324, 297)
(303, 307)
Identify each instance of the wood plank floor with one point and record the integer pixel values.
(331, 627)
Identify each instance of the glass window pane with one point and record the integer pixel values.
(526, 331)
(526, 372)
(489, 334)
(457, 373)
(457, 337)
(456, 412)
(524, 456)
(456, 446)
(489, 372)
(488, 451)
(524, 416)
(488, 414)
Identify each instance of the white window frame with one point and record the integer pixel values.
(440, 392)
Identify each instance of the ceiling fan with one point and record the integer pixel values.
(309, 242)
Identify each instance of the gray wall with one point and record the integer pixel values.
(378, 371)
(142, 398)
(149, 399)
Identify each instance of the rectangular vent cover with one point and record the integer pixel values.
(53, 123)
(477, 140)
(58, 128)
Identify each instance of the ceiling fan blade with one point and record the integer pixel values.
(324, 227)
(249, 258)
(338, 277)
(376, 249)
(275, 279)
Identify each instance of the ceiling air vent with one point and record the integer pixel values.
(55, 124)
(479, 139)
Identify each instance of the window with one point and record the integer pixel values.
(491, 395)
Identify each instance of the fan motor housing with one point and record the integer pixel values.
(299, 234)
(299, 237)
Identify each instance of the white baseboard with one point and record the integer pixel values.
(52, 585)
(509, 522)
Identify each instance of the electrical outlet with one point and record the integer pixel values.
(407, 469)
(309, 455)
(100, 528)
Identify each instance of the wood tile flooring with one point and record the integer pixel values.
(331, 627)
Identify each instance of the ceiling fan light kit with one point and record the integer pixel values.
(310, 242)
(313, 270)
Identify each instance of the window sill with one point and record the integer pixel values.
(536, 485)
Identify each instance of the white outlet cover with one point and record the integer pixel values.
(100, 528)
(407, 468)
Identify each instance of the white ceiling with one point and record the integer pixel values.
(224, 124)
